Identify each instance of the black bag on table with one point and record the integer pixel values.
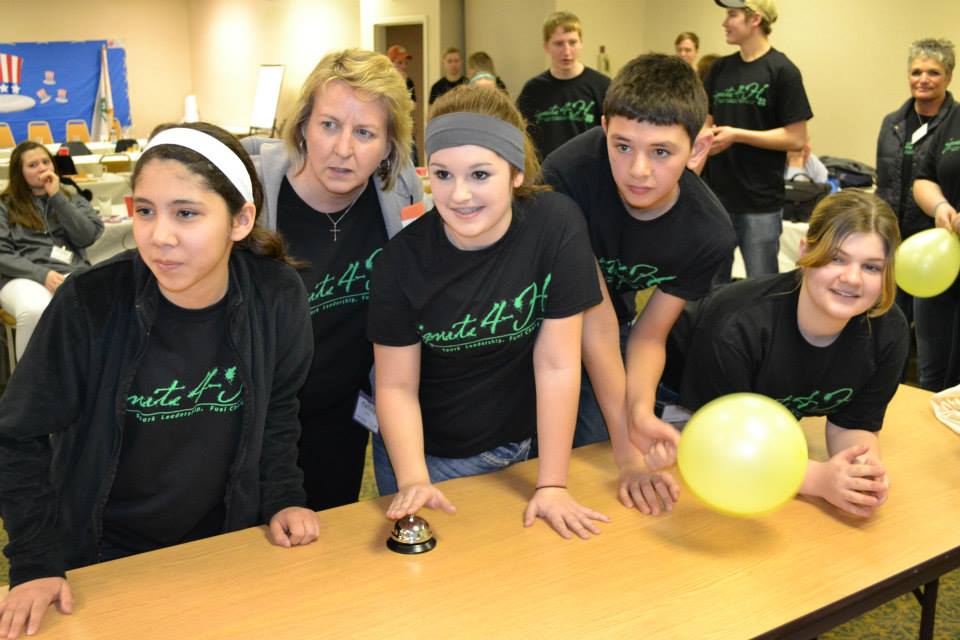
(850, 173)
(801, 196)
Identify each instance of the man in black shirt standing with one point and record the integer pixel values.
(452, 74)
(565, 100)
(758, 112)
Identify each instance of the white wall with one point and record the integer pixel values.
(852, 53)
(511, 33)
(853, 56)
(230, 39)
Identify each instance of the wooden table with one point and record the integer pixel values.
(690, 574)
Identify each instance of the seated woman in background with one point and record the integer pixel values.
(473, 357)
(158, 404)
(805, 163)
(44, 229)
(823, 340)
(335, 190)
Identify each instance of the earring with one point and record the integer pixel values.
(384, 167)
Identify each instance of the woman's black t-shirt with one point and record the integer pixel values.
(338, 289)
(184, 413)
(745, 337)
(477, 314)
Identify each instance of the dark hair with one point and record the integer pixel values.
(659, 89)
(18, 196)
(688, 35)
(490, 101)
(261, 241)
(481, 62)
(705, 64)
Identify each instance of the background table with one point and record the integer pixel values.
(117, 236)
(790, 237)
(690, 574)
(94, 147)
(112, 185)
(85, 164)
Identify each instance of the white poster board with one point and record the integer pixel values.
(267, 96)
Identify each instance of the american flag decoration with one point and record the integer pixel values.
(11, 67)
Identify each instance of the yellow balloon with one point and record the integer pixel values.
(743, 454)
(928, 262)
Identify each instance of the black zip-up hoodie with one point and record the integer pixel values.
(62, 414)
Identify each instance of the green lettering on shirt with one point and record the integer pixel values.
(752, 93)
(529, 305)
(636, 277)
(573, 111)
(817, 402)
(218, 391)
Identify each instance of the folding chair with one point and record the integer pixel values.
(39, 131)
(116, 162)
(77, 131)
(6, 136)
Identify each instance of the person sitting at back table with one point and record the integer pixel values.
(44, 230)
(805, 162)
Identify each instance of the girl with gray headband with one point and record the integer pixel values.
(476, 313)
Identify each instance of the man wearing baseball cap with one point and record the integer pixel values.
(399, 56)
(758, 112)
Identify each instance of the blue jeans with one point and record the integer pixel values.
(938, 339)
(441, 469)
(591, 427)
(758, 235)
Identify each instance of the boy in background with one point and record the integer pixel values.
(758, 112)
(564, 100)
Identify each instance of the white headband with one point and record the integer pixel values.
(222, 157)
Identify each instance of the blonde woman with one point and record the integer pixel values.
(335, 189)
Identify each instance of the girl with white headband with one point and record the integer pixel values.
(476, 312)
(157, 403)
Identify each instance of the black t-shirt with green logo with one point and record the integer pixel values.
(679, 251)
(557, 110)
(942, 164)
(744, 337)
(338, 290)
(764, 94)
(477, 315)
(184, 413)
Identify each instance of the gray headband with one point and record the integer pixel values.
(460, 128)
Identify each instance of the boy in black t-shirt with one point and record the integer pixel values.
(564, 100)
(758, 112)
(654, 225)
(452, 74)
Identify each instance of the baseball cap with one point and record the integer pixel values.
(398, 52)
(766, 8)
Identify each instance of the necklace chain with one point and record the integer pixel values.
(336, 222)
